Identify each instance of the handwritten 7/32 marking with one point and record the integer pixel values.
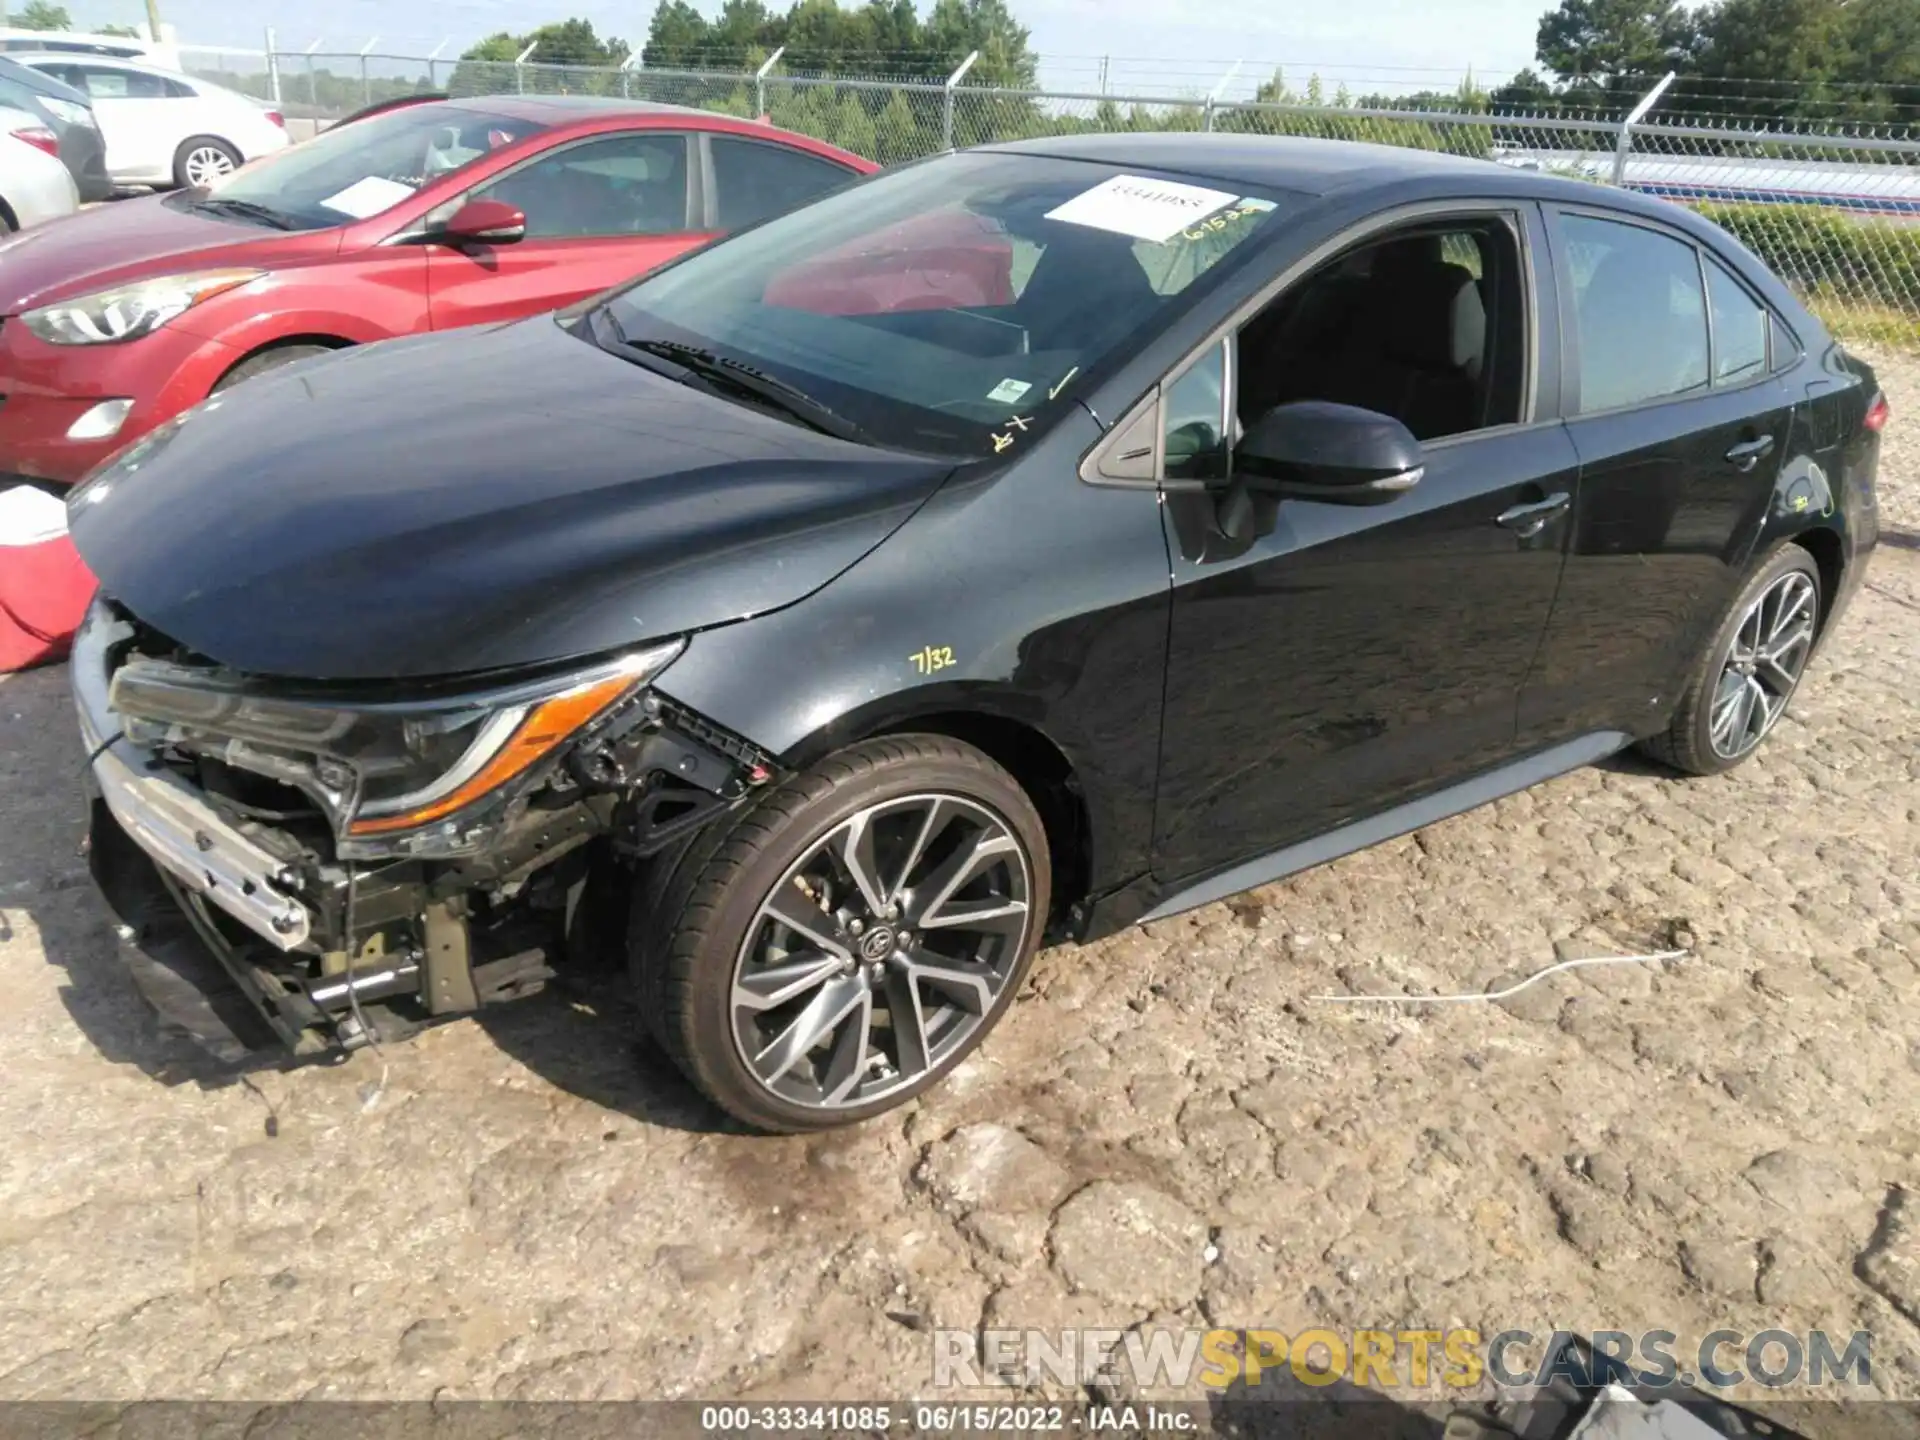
(929, 658)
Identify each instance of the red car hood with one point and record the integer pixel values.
(132, 240)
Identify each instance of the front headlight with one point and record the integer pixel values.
(130, 311)
(394, 779)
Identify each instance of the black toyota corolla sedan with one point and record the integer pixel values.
(1028, 542)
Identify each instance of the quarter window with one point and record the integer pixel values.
(1640, 320)
(1739, 329)
(753, 180)
(632, 184)
(1193, 415)
(1785, 348)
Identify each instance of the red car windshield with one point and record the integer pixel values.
(358, 170)
(949, 305)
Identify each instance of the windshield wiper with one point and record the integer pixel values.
(246, 209)
(744, 379)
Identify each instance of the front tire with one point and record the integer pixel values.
(843, 944)
(1741, 686)
(265, 361)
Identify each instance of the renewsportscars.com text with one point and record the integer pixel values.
(1388, 1360)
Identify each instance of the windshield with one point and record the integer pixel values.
(353, 171)
(953, 306)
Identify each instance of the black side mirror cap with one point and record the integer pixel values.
(1338, 454)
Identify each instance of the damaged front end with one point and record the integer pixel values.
(321, 867)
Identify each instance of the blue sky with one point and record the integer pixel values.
(1369, 44)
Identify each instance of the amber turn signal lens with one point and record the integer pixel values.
(546, 725)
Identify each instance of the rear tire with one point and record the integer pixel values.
(267, 360)
(1751, 669)
(848, 1012)
(203, 160)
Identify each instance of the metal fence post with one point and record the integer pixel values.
(273, 67)
(760, 81)
(433, 64)
(313, 80)
(1213, 95)
(946, 109)
(627, 67)
(520, 67)
(1634, 117)
(366, 83)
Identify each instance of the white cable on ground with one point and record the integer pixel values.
(1501, 994)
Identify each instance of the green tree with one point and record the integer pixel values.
(676, 35)
(44, 15)
(1743, 41)
(126, 30)
(1880, 49)
(1524, 93)
(898, 134)
(572, 42)
(1611, 46)
(568, 58)
(853, 128)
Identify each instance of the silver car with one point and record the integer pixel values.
(34, 184)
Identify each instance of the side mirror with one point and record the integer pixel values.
(1339, 454)
(485, 222)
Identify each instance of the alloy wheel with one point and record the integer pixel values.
(1763, 666)
(206, 164)
(882, 951)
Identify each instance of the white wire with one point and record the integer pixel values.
(1483, 995)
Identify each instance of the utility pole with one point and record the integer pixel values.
(153, 19)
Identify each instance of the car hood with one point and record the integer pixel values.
(458, 503)
(129, 239)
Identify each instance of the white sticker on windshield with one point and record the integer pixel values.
(368, 197)
(1145, 209)
(1008, 391)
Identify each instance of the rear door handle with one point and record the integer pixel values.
(1529, 520)
(1749, 453)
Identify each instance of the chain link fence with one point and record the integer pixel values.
(1833, 211)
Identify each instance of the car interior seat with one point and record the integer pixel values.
(1398, 329)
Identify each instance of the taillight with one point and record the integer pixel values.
(40, 138)
(1878, 413)
(276, 118)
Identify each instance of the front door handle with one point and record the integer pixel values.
(1749, 453)
(1529, 520)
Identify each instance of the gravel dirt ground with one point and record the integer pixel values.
(1167, 1127)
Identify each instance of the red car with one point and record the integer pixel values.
(422, 217)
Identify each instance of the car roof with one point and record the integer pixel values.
(1280, 162)
(41, 84)
(559, 109)
(77, 57)
(1308, 165)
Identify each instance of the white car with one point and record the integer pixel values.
(163, 128)
(34, 185)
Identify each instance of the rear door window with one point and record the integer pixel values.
(753, 179)
(1640, 317)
